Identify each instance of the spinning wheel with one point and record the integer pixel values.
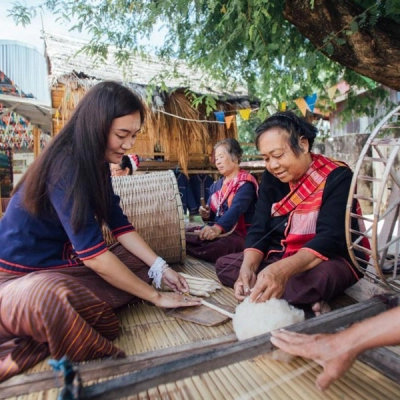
(376, 186)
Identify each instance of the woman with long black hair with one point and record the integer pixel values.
(59, 282)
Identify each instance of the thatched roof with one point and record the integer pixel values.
(65, 61)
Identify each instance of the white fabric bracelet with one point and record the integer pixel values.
(156, 271)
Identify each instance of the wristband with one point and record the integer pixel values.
(156, 271)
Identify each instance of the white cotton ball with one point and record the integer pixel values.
(253, 319)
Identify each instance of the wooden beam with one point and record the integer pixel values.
(228, 354)
(385, 361)
(34, 382)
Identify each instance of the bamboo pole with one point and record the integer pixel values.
(218, 309)
(36, 141)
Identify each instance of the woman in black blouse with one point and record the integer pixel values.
(295, 248)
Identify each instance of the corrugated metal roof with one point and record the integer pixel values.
(66, 61)
(26, 66)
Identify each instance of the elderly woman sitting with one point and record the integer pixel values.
(296, 247)
(230, 207)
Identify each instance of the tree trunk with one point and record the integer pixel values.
(372, 51)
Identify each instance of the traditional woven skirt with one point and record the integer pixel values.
(65, 312)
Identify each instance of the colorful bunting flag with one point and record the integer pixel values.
(228, 120)
(311, 100)
(282, 106)
(301, 103)
(220, 116)
(245, 113)
(332, 91)
(343, 87)
(370, 83)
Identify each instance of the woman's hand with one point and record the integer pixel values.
(174, 281)
(271, 283)
(172, 300)
(210, 232)
(204, 212)
(247, 279)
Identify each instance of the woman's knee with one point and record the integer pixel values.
(324, 282)
(228, 268)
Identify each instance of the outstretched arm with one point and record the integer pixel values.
(116, 273)
(336, 352)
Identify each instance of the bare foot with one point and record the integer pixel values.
(321, 307)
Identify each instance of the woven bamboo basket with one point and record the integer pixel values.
(153, 205)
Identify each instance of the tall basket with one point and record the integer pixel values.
(376, 186)
(153, 205)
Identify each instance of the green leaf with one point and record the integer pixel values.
(353, 26)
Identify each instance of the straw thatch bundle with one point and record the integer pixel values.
(179, 135)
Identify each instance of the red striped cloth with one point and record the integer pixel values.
(312, 182)
(228, 191)
(304, 202)
(57, 313)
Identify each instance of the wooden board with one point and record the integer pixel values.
(201, 315)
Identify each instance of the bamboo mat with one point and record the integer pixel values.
(146, 328)
(263, 379)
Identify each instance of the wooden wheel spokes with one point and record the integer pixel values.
(376, 186)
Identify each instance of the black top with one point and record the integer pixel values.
(266, 233)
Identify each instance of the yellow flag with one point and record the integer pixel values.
(302, 104)
(332, 91)
(228, 120)
(245, 113)
(282, 106)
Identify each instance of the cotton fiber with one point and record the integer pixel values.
(253, 319)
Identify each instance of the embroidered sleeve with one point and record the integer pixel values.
(118, 221)
(89, 241)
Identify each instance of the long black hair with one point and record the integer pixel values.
(296, 127)
(78, 151)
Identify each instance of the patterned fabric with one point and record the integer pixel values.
(304, 202)
(228, 191)
(311, 184)
(64, 312)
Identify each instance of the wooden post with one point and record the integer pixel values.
(36, 141)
